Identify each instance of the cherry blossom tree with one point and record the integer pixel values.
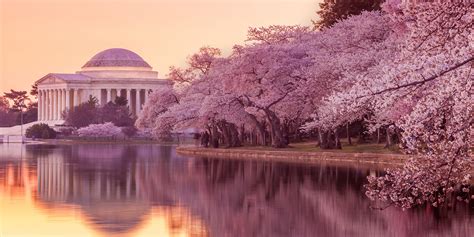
(265, 76)
(343, 53)
(275, 34)
(424, 88)
(406, 70)
(433, 74)
(100, 130)
(173, 108)
(151, 117)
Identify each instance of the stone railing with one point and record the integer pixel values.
(12, 139)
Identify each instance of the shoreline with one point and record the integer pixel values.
(304, 157)
(84, 141)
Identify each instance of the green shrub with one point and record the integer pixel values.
(40, 130)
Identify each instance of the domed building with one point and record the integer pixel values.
(110, 73)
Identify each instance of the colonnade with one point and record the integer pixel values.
(58, 181)
(135, 97)
(52, 102)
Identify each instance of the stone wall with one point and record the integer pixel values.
(295, 156)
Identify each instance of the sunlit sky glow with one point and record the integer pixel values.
(42, 36)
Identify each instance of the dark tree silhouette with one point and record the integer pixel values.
(18, 99)
(89, 113)
(7, 118)
(119, 115)
(31, 113)
(4, 105)
(121, 101)
(93, 101)
(82, 115)
(332, 11)
(34, 90)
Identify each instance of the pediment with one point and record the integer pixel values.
(50, 79)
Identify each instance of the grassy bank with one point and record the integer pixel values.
(346, 148)
(373, 154)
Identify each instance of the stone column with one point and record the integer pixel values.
(60, 104)
(64, 99)
(46, 105)
(109, 95)
(129, 99)
(63, 102)
(76, 97)
(43, 105)
(137, 101)
(55, 104)
(68, 98)
(50, 107)
(50, 104)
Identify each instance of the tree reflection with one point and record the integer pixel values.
(247, 198)
(117, 187)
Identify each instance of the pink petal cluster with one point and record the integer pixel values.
(100, 130)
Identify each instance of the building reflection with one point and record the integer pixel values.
(104, 182)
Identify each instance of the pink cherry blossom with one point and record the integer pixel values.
(100, 130)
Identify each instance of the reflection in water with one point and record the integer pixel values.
(144, 190)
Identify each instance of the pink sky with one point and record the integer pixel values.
(42, 36)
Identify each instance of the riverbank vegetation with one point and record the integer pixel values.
(403, 73)
(40, 131)
(112, 121)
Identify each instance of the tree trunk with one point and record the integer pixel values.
(225, 135)
(278, 141)
(234, 135)
(348, 134)
(242, 134)
(214, 137)
(320, 139)
(361, 138)
(378, 135)
(330, 140)
(389, 138)
(338, 144)
(260, 129)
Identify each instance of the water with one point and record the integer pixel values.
(148, 190)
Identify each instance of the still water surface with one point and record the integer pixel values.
(149, 190)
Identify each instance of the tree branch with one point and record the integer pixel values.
(422, 81)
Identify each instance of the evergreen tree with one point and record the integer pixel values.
(18, 99)
(121, 101)
(332, 11)
(93, 101)
(4, 105)
(34, 90)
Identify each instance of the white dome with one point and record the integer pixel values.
(116, 57)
